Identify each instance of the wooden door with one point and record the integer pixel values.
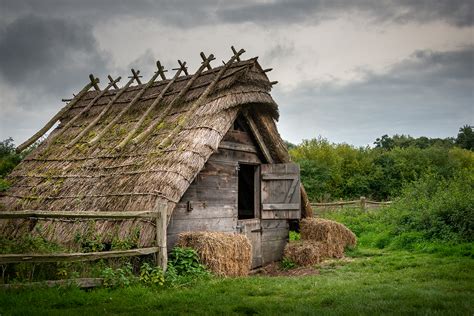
(253, 230)
(280, 191)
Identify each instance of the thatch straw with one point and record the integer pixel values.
(224, 254)
(98, 178)
(334, 233)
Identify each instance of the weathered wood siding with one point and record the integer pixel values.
(213, 194)
(213, 198)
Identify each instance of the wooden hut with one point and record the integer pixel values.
(202, 147)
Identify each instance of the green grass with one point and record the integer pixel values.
(374, 282)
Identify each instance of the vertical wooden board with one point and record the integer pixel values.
(252, 229)
(280, 186)
(273, 250)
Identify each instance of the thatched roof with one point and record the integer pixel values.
(103, 177)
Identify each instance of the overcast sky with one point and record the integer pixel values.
(348, 70)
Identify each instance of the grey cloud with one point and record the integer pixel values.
(456, 12)
(38, 53)
(429, 93)
(188, 14)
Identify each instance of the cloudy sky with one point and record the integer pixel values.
(348, 70)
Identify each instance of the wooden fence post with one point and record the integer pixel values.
(362, 203)
(161, 225)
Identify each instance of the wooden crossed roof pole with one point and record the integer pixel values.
(148, 130)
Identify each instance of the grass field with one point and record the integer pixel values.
(371, 282)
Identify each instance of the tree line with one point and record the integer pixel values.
(340, 171)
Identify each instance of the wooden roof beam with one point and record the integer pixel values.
(161, 70)
(104, 111)
(135, 75)
(94, 82)
(147, 132)
(84, 110)
(183, 67)
(114, 83)
(152, 106)
(55, 118)
(235, 53)
(204, 58)
(135, 99)
(202, 98)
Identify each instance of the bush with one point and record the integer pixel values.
(432, 214)
(184, 266)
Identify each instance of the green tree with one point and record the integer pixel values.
(465, 137)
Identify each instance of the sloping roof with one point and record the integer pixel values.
(100, 177)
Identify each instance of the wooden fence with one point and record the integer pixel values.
(362, 203)
(159, 250)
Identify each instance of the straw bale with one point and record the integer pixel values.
(334, 233)
(223, 253)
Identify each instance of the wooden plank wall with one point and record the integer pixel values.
(213, 197)
(213, 194)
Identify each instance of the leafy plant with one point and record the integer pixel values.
(121, 277)
(186, 261)
(151, 275)
(287, 264)
(294, 236)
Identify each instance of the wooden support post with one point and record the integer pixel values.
(202, 98)
(235, 52)
(362, 203)
(143, 135)
(161, 70)
(55, 118)
(112, 80)
(161, 231)
(98, 117)
(204, 58)
(136, 76)
(94, 82)
(157, 101)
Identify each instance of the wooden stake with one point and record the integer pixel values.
(84, 110)
(165, 142)
(104, 111)
(135, 99)
(204, 58)
(268, 70)
(136, 76)
(55, 118)
(151, 107)
(94, 82)
(161, 70)
(273, 82)
(161, 232)
(183, 67)
(112, 80)
(235, 52)
(143, 135)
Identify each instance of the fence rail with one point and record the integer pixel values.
(363, 203)
(160, 249)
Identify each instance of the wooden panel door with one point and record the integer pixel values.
(253, 230)
(280, 191)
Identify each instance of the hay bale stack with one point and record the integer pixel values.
(334, 233)
(320, 239)
(304, 253)
(222, 253)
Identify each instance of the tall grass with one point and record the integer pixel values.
(432, 214)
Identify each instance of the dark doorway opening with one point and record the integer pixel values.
(246, 191)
